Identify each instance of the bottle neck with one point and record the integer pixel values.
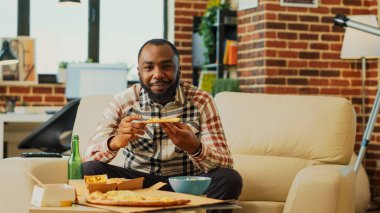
(75, 148)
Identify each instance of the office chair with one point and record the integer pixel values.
(47, 136)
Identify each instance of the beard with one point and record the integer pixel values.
(163, 97)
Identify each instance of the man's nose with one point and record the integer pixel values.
(157, 73)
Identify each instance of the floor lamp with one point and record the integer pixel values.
(359, 44)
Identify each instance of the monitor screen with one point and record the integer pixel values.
(95, 79)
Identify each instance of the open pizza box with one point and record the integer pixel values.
(135, 185)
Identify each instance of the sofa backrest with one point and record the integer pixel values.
(307, 127)
(273, 137)
(90, 111)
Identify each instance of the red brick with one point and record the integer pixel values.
(296, 9)
(278, 44)
(350, 91)
(280, 90)
(298, 45)
(186, 5)
(287, 35)
(318, 82)
(319, 28)
(318, 64)
(276, 25)
(360, 11)
(343, 65)
(42, 90)
(272, 62)
(305, 18)
(183, 20)
(320, 10)
(297, 81)
(352, 3)
(186, 36)
(287, 17)
(331, 55)
(287, 72)
(50, 98)
(15, 89)
(330, 38)
(339, 10)
(3, 89)
(309, 72)
(288, 54)
(308, 90)
(200, 5)
(331, 2)
(273, 7)
(319, 46)
(339, 82)
(329, 91)
(301, 64)
(32, 98)
(304, 36)
(309, 55)
(303, 27)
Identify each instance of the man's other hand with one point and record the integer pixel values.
(182, 136)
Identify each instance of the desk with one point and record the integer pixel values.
(22, 118)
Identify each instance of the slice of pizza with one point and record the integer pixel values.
(130, 198)
(161, 120)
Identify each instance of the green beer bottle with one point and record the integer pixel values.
(75, 166)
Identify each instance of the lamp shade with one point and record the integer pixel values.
(358, 44)
(7, 57)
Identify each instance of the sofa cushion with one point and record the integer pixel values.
(267, 178)
(307, 127)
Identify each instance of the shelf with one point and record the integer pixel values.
(210, 66)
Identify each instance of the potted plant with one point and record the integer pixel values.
(225, 84)
(206, 25)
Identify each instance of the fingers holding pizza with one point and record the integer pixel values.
(182, 136)
(127, 131)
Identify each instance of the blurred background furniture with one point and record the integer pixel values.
(295, 145)
(48, 136)
(19, 118)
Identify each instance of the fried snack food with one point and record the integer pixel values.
(95, 179)
(161, 120)
(130, 198)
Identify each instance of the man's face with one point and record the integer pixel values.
(159, 72)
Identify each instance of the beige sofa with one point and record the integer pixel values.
(292, 152)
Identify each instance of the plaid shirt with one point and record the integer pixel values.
(154, 153)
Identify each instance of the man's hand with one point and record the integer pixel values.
(126, 132)
(182, 136)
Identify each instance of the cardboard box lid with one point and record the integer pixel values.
(196, 201)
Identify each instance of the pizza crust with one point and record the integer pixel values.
(161, 120)
(130, 198)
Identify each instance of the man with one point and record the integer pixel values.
(194, 146)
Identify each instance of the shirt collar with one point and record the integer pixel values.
(145, 101)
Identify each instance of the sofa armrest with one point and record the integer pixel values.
(329, 187)
(18, 186)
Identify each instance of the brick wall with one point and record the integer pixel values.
(292, 50)
(185, 10)
(34, 95)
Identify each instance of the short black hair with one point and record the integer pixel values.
(159, 41)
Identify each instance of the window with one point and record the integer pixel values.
(60, 32)
(124, 26)
(8, 18)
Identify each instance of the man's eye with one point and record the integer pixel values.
(167, 66)
(148, 67)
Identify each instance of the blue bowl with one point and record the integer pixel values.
(193, 185)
